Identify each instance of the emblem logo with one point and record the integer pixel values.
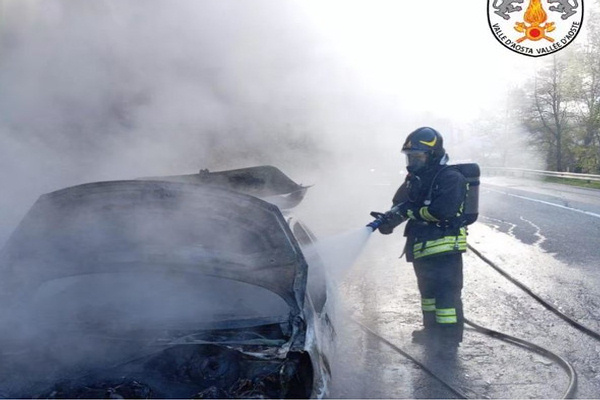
(430, 144)
(535, 28)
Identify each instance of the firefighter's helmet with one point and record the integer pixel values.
(424, 148)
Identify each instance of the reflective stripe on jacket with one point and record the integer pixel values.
(445, 244)
(435, 227)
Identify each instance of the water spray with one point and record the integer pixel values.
(340, 252)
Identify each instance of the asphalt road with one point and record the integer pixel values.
(547, 237)
(562, 220)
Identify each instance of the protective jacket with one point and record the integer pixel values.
(435, 205)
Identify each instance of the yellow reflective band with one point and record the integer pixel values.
(443, 245)
(440, 249)
(454, 243)
(428, 305)
(450, 241)
(410, 214)
(446, 311)
(426, 215)
(446, 316)
(446, 320)
(446, 240)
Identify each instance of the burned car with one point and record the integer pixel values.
(192, 286)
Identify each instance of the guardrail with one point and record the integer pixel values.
(525, 173)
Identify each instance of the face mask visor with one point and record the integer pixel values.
(416, 161)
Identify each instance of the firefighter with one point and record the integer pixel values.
(432, 199)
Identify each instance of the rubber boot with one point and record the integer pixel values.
(425, 336)
(428, 334)
(449, 340)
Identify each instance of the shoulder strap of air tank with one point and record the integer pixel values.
(430, 191)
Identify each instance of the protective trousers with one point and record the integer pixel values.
(440, 281)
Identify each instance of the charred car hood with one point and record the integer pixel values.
(160, 229)
(265, 182)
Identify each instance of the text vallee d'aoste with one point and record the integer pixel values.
(528, 50)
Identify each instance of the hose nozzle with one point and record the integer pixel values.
(380, 218)
(392, 218)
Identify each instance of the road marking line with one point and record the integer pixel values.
(546, 202)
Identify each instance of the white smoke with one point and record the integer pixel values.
(112, 90)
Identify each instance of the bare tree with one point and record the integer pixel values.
(548, 115)
(498, 138)
(587, 98)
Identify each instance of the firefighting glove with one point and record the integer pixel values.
(377, 214)
(388, 221)
(401, 210)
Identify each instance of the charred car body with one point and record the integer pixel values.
(187, 286)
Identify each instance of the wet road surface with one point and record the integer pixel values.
(380, 291)
(560, 219)
(540, 246)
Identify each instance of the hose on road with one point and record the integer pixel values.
(566, 365)
(568, 393)
(544, 303)
(371, 332)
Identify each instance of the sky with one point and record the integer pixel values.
(326, 90)
(433, 55)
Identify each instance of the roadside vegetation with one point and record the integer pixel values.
(574, 182)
